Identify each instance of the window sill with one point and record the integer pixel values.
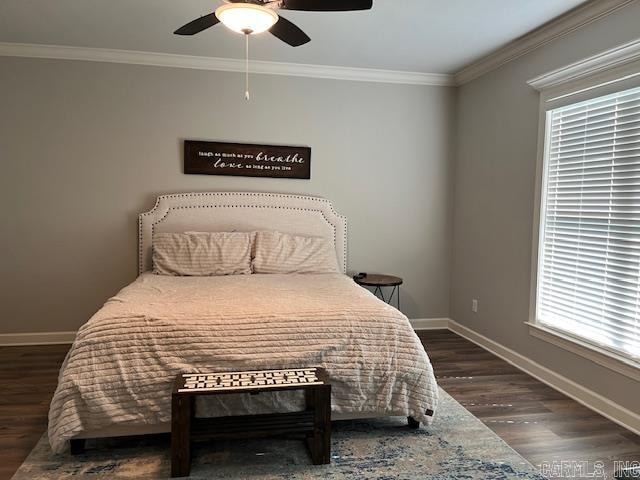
(600, 356)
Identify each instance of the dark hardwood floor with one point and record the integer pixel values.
(538, 422)
(28, 376)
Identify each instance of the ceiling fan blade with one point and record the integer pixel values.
(289, 32)
(198, 25)
(327, 5)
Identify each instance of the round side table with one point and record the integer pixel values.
(379, 281)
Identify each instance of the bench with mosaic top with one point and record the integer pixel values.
(314, 422)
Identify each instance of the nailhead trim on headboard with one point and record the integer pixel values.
(341, 221)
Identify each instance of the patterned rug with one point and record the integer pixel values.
(456, 446)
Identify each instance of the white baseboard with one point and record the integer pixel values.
(43, 338)
(429, 323)
(590, 399)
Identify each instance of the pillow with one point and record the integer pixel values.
(277, 252)
(202, 253)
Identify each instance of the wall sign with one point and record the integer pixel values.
(246, 160)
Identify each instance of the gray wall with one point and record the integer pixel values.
(87, 146)
(497, 125)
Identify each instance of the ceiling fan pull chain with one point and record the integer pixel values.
(247, 96)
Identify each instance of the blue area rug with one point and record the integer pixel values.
(456, 446)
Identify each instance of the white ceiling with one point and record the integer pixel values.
(434, 36)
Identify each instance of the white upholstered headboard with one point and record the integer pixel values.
(241, 211)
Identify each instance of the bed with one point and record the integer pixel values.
(117, 377)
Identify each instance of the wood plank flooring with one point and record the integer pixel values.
(541, 424)
(28, 376)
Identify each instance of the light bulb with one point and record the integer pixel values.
(246, 18)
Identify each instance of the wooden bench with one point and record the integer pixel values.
(314, 421)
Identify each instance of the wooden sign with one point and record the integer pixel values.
(246, 160)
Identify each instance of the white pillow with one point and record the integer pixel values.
(276, 252)
(202, 253)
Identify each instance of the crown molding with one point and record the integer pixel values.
(550, 31)
(615, 57)
(61, 52)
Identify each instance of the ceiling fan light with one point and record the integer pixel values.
(246, 17)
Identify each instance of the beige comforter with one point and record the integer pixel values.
(123, 362)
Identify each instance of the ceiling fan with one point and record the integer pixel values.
(256, 16)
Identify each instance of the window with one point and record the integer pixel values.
(588, 257)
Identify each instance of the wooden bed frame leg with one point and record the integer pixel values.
(320, 441)
(413, 423)
(181, 413)
(77, 446)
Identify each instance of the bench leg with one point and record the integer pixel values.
(181, 411)
(77, 446)
(320, 441)
(413, 423)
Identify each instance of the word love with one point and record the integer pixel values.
(222, 164)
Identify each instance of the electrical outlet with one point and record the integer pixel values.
(474, 305)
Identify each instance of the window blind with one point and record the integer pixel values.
(589, 255)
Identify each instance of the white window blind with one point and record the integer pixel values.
(589, 255)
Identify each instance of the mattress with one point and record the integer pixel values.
(121, 367)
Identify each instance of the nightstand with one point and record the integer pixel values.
(378, 282)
